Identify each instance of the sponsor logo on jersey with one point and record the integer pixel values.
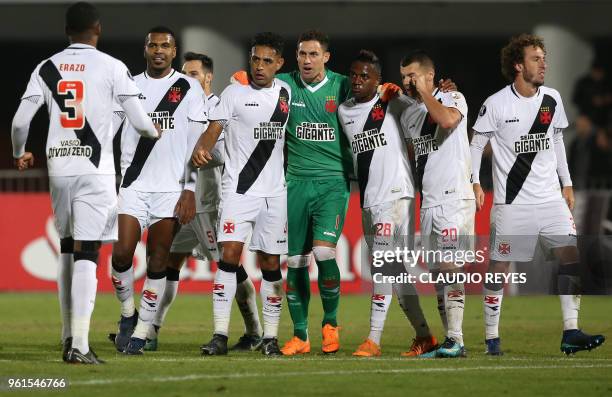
(482, 111)
(268, 131)
(69, 147)
(512, 120)
(545, 115)
(142, 97)
(299, 104)
(251, 104)
(504, 248)
(331, 234)
(368, 140)
(424, 145)
(228, 227)
(532, 143)
(330, 104)
(315, 132)
(164, 119)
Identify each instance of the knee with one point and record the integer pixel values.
(157, 260)
(323, 253)
(298, 261)
(122, 257)
(269, 262)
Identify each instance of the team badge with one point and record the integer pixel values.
(174, 95)
(228, 227)
(503, 248)
(284, 107)
(377, 113)
(545, 116)
(330, 104)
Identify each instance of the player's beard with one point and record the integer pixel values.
(532, 78)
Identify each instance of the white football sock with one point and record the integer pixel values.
(247, 303)
(492, 303)
(170, 292)
(409, 302)
(454, 301)
(570, 307)
(152, 291)
(378, 314)
(441, 307)
(83, 298)
(124, 289)
(224, 290)
(64, 285)
(271, 297)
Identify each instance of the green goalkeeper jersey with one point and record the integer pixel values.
(316, 146)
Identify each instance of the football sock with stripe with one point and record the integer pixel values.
(224, 290)
(271, 291)
(152, 293)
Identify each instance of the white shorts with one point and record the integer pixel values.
(516, 229)
(389, 225)
(147, 207)
(85, 207)
(201, 232)
(265, 217)
(448, 229)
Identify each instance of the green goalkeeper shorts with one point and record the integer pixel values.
(315, 211)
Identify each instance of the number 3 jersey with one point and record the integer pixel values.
(521, 131)
(443, 161)
(177, 103)
(254, 122)
(79, 86)
(379, 150)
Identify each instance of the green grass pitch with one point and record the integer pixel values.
(530, 328)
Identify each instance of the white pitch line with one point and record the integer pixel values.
(326, 373)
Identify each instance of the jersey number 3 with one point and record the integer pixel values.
(72, 114)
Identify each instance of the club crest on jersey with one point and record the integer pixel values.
(330, 104)
(503, 248)
(228, 227)
(284, 106)
(377, 113)
(174, 95)
(545, 116)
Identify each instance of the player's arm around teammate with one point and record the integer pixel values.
(254, 193)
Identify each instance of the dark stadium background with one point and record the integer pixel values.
(464, 38)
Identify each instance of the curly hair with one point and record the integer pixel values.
(514, 53)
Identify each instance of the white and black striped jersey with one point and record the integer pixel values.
(380, 156)
(208, 184)
(443, 161)
(79, 86)
(254, 120)
(177, 103)
(521, 131)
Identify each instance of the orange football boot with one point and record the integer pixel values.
(421, 345)
(331, 339)
(369, 348)
(295, 346)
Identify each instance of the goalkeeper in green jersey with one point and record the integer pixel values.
(319, 162)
